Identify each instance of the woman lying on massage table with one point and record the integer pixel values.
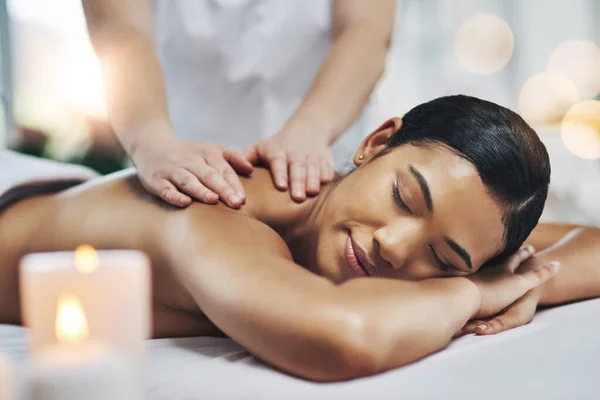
(429, 221)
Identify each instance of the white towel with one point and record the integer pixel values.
(22, 176)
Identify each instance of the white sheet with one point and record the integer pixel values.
(557, 356)
(22, 176)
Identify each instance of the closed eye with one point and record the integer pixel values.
(441, 265)
(398, 199)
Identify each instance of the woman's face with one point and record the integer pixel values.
(413, 213)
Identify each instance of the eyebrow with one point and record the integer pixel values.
(462, 253)
(424, 187)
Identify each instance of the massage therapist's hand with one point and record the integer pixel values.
(179, 172)
(303, 159)
(501, 286)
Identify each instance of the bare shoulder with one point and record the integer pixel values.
(225, 231)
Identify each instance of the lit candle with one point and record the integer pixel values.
(77, 368)
(6, 384)
(113, 287)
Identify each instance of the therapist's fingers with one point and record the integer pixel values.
(228, 174)
(313, 175)
(327, 172)
(168, 192)
(238, 161)
(211, 178)
(298, 179)
(188, 183)
(251, 154)
(279, 169)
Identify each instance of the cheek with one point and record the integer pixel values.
(417, 268)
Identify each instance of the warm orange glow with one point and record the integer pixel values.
(484, 44)
(86, 259)
(71, 323)
(580, 129)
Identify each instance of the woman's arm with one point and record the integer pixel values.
(303, 323)
(578, 251)
(242, 277)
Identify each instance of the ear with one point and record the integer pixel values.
(376, 141)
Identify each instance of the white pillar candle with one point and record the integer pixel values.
(6, 378)
(113, 287)
(77, 368)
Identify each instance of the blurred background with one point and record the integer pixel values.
(538, 57)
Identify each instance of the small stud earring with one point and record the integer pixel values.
(360, 157)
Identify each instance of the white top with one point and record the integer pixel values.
(236, 70)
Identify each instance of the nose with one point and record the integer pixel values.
(398, 240)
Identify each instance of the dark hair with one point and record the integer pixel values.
(510, 158)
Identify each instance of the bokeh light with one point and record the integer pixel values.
(580, 62)
(546, 97)
(484, 44)
(580, 129)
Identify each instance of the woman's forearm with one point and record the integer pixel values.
(405, 321)
(579, 277)
(301, 322)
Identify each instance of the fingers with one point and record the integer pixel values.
(188, 183)
(251, 154)
(212, 179)
(313, 176)
(298, 179)
(523, 254)
(327, 172)
(239, 162)
(279, 170)
(227, 172)
(166, 190)
(538, 275)
(519, 314)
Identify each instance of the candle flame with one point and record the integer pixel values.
(86, 259)
(71, 323)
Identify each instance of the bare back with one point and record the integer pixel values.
(116, 212)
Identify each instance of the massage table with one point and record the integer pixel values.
(557, 356)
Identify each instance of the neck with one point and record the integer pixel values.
(302, 232)
(297, 223)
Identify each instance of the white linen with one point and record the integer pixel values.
(554, 357)
(236, 70)
(22, 176)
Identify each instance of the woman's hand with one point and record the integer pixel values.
(519, 313)
(307, 158)
(178, 172)
(501, 286)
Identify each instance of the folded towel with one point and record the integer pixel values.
(22, 176)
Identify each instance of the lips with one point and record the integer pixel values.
(357, 259)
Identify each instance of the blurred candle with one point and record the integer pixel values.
(77, 368)
(6, 383)
(113, 287)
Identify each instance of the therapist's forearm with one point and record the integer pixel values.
(135, 91)
(579, 277)
(344, 83)
(136, 95)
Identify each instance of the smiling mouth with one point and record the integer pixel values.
(353, 260)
